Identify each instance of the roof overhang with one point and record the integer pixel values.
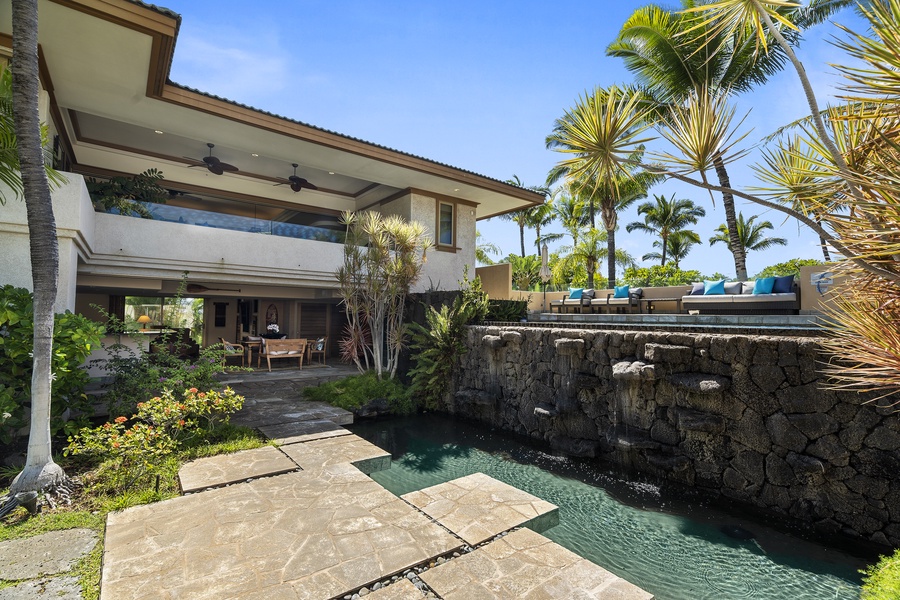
(105, 65)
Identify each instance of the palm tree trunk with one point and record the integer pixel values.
(740, 255)
(591, 267)
(522, 238)
(665, 245)
(611, 258)
(40, 471)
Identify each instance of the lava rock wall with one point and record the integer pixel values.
(739, 415)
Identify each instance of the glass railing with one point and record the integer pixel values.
(217, 220)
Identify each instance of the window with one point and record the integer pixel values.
(446, 218)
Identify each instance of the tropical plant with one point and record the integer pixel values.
(74, 337)
(383, 258)
(438, 345)
(524, 217)
(571, 211)
(882, 580)
(751, 235)
(590, 250)
(526, 270)
(660, 276)
(128, 195)
(484, 249)
(678, 245)
(356, 391)
(677, 57)
(28, 137)
(665, 217)
(788, 267)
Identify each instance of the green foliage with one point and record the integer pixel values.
(789, 267)
(356, 391)
(659, 276)
(507, 310)
(74, 336)
(881, 581)
(525, 270)
(436, 348)
(128, 195)
(143, 444)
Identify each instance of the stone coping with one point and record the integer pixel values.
(296, 432)
(352, 449)
(478, 507)
(525, 564)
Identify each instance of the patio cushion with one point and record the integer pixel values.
(277, 352)
(710, 299)
(697, 289)
(733, 287)
(783, 285)
(743, 298)
(763, 285)
(621, 291)
(714, 287)
(575, 293)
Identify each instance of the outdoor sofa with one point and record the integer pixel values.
(770, 296)
(623, 298)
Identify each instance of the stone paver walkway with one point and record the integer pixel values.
(324, 529)
(478, 507)
(225, 469)
(526, 565)
(301, 535)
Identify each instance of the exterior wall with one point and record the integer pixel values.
(818, 286)
(74, 227)
(443, 269)
(744, 417)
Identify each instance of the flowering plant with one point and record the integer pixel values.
(273, 328)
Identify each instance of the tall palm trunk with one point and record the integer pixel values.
(608, 214)
(737, 249)
(522, 237)
(40, 471)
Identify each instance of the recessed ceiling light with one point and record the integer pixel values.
(331, 172)
(455, 189)
(254, 155)
(158, 131)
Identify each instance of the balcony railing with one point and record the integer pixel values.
(218, 220)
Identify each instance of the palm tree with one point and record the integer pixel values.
(675, 55)
(750, 234)
(664, 217)
(677, 248)
(539, 217)
(524, 217)
(613, 184)
(40, 471)
(571, 211)
(484, 249)
(590, 250)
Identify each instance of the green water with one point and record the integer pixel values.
(668, 546)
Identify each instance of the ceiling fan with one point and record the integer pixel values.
(213, 164)
(297, 183)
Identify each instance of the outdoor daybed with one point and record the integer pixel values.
(771, 296)
(581, 301)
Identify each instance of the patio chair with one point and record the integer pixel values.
(232, 350)
(318, 347)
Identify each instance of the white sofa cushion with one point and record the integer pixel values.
(746, 298)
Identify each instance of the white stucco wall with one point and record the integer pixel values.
(443, 269)
(75, 231)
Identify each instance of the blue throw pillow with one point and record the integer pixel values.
(711, 288)
(783, 285)
(696, 289)
(763, 285)
(575, 293)
(621, 291)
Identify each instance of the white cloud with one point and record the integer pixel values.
(242, 67)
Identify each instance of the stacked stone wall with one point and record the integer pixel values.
(738, 415)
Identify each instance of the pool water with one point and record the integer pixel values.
(672, 547)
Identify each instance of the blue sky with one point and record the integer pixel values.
(474, 84)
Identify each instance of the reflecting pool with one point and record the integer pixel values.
(674, 548)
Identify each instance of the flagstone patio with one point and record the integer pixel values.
(303, 520)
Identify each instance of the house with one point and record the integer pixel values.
(252, 241)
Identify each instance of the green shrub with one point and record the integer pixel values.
(356, 391)
(659, 276)
(789, 267)
(506, 310)
(74, 336)
(881, 581)
(143, 444)
(436, 348)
